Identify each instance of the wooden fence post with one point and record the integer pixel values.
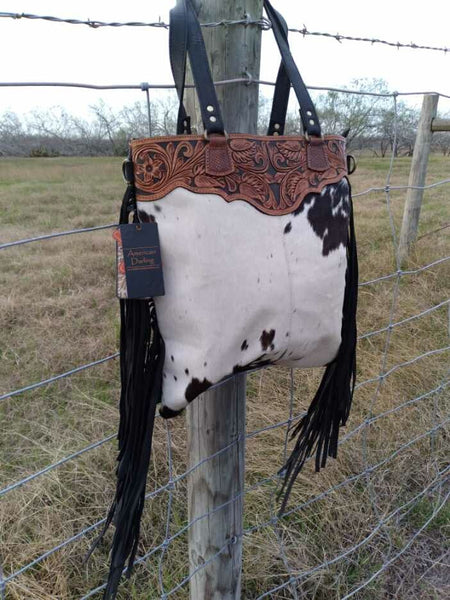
(216, 420)
(417, 176)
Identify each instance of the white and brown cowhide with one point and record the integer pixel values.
(246, 289)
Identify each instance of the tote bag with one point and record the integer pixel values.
(258, 252)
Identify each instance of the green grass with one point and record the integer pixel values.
(424, 510)
(58, 311)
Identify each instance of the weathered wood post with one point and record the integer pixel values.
(417, 176)
(216, 420)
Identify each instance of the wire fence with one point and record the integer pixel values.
(292, 582)
(247, 80)
(262, 23)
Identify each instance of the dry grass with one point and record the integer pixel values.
(58, 310)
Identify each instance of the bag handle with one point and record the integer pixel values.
(281, 95)
(178, 42)
(308, 113)
(186, 39)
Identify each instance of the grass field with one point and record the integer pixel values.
(58, 311)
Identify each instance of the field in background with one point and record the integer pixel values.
(58, 311)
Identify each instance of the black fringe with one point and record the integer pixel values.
(319, 429)
(142, 354)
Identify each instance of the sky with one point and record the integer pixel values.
(41, 51)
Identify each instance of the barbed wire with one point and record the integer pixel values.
(371, 40)
(263, 23)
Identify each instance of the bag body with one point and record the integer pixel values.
(254, 261)
(260, 268)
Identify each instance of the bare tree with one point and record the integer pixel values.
(357, 113)
(134, 119)
(108, 124)
(369, 118)
(399, 125)
(165, 116)
(441, 141)
(11, 134)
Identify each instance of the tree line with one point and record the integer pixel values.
(371, 121)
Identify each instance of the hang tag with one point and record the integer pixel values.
(139, 268)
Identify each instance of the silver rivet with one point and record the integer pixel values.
(309, 113)
(210, 108)
(277, 126)
(311, 122)
(212, 119)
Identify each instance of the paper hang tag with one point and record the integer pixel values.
(139, 268)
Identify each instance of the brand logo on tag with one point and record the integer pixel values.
(142, 258)
(139, 269)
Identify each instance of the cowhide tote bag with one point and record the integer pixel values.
(258, 251)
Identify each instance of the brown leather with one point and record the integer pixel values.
(218, 159)
(317, 157)
(273, 174)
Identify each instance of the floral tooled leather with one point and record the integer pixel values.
(271, 173)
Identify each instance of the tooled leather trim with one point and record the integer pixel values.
(270, 173)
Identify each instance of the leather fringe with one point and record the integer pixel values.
(318, 431)
(142, 354)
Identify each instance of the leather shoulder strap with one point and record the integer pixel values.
(178, 41)
(281, 94)
(308, 113)
(187, 39)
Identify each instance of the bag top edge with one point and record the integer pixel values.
(253, 136)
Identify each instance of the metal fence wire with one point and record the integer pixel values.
(290, 584)
(263, 23)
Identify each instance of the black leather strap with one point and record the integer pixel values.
(178, 43)
(280, 103)
(308, 113)
(184, 19)
(186, 38)
(178, 56)
(281, 96)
